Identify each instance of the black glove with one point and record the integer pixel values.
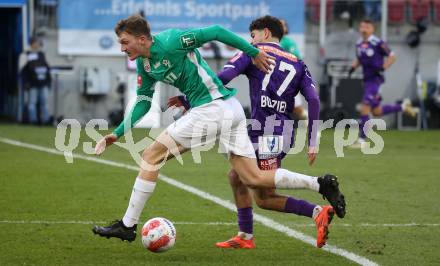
(350, 72)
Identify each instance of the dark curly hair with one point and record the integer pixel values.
(273, 24)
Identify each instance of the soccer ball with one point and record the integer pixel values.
(158, 234)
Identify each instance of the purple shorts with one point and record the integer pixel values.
(372, 96)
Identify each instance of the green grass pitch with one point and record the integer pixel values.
(385, 194)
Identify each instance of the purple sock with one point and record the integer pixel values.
(300, 207)
(391, 108)
(363, 120)
(245, 220)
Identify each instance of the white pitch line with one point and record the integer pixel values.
(371, 225)
(217, 223)
(400, 225)
(226, 204)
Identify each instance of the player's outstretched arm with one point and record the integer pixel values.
(139, 110)
(218, 33)
(309, 92)
(353, 67)
(389, 61)
(388, 53)
(311, 155)
(221, 34)
(142, 106)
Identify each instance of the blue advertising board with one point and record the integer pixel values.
(86, 26)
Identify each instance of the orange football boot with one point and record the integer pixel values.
(323, 221)
(237, 242)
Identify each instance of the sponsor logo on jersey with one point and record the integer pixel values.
(278, 51)
(166, 63)
(171, 77)
(188, 40)
(269, 146)
(268, 164)
(271, 143)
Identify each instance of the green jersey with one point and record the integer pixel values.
(175, 60)
(290, 46)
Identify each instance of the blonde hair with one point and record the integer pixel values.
(134, 25)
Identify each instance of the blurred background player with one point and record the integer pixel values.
(288, 77)
(36, 79)
(374, 55)
(290, 46)
(172, 56)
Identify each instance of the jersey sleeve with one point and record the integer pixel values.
(195, 38)
(308, 90)
(385, 49)
(144, 92)
(234, 67)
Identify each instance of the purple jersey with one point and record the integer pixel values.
(272, 95)
(370, 54)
